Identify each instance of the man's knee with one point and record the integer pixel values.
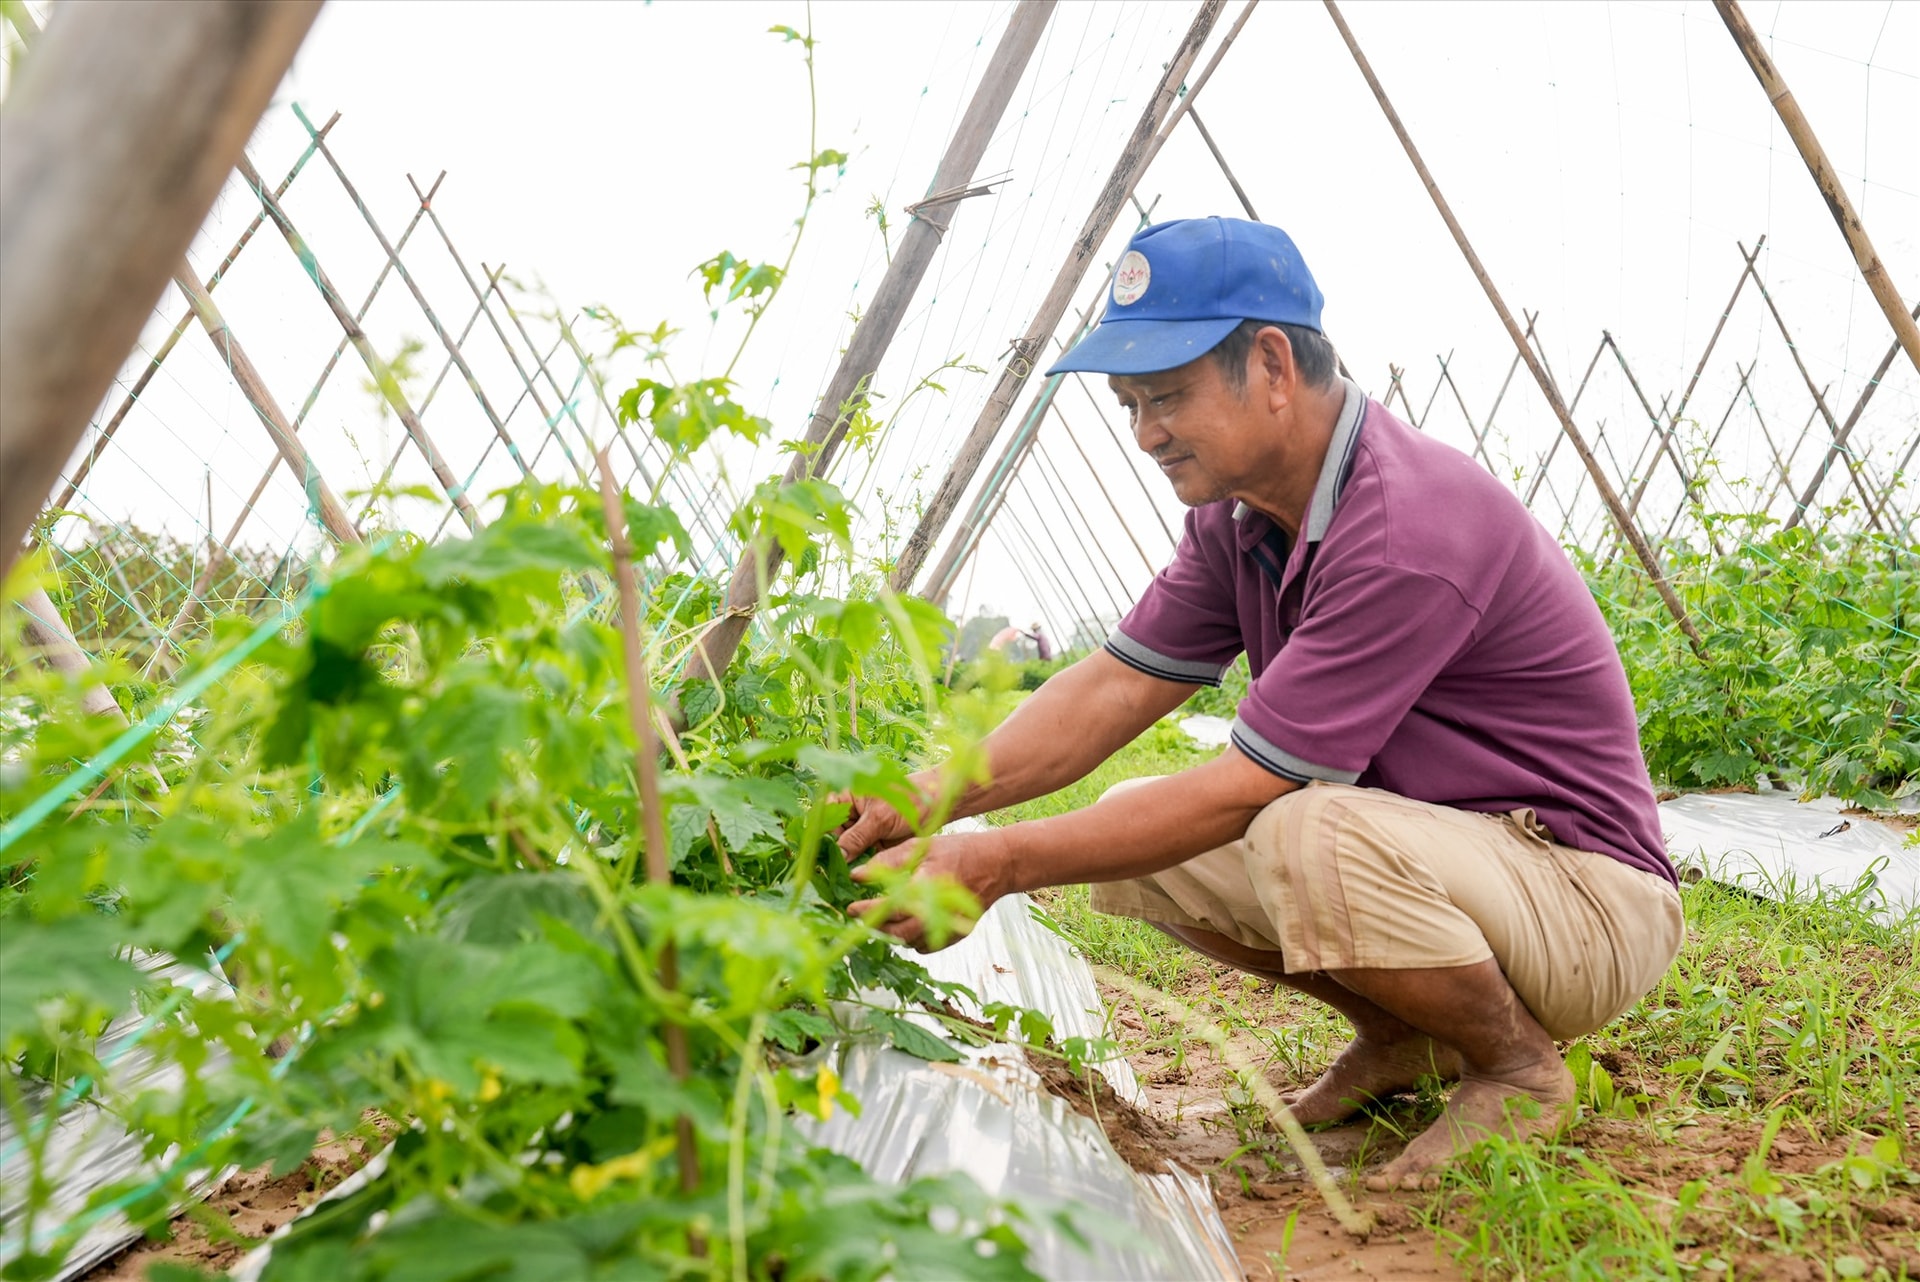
(1126, 784)
(1302, 823)
(1268, 962)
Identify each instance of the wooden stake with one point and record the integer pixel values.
(1839, 444)
(337, 303)
(1028, 351)
(851, 382)
(51, 640)
(1631, 532)
(180, 327)
(319, 494)
(1835, 194)
(646, 759)
(114, 143)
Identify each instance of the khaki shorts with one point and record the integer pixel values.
(1334, 877)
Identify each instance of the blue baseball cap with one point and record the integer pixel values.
(1183, 286)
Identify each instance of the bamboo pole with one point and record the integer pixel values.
(1546, 460)
(1905, 327)
(1149, 135)
(646, 758)
(114, 143)
(1064, 503)
(1819, 400)
(336, 303)
(51, 641)
(1113, 434)
(420, 298)
(1663, 433)
(1839, 444)
(180, 327)
(196, 595)
(480, 300)
(1094, 472)
(320, 496)
(848, 389)
(985, 505)
(1608, 494)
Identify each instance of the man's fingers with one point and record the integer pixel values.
(857, 835)
(898, 856)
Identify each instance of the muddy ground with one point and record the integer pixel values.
(1197, 1116)
(245, 1210)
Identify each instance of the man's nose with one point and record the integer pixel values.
(1149, 431)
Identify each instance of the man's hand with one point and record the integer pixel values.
(974, 861)
(871, 823)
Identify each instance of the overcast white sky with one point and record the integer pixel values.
(1604, 157)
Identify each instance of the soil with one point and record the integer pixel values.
(1281, 1228)
(1284, 1232)
(245, 1210)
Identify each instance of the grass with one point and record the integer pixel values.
(1755, 1116)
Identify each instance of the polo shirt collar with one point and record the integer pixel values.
(1332, 482)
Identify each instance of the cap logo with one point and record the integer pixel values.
(1130, 281)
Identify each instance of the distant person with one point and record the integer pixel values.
(1007, 636)
(1042, 644)
(1434, 815)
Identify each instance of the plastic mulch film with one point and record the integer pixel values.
(1014, 955)
(88, 1149)
(1768, 843)
(990, 1118)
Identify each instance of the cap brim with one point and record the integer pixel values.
(1118, 346)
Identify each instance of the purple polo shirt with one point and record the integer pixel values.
(1425, 635)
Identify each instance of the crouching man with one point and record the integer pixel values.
(1434, 816)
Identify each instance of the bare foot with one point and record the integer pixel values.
(1537, 1100)
(1365, 1071)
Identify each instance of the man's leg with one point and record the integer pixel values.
(1389, 908)
(1512, 1081)
(1387, 1053)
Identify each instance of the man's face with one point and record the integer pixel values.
(1207, 439)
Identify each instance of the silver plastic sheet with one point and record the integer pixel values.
(88, 1149)
(1770, 843)
(990, 1118)
(1208, 732)
(1013, 955)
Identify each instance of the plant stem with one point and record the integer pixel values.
(646, 754)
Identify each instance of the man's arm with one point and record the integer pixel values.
(1133, 833)
(1142, 830)
(1077, 719)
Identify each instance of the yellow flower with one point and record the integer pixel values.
(827, 1083)
(588, 1182)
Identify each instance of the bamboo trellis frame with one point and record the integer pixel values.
(563, 366)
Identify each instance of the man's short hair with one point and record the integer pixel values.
(1312, 353)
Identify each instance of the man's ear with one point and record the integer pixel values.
(1276, 368)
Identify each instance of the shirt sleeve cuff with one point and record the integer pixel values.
(1280, 761)
(1154, 664)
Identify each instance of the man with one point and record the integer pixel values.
(1434, 816)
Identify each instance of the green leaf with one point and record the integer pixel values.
(911, 1038)
(793, 1030)
(72, 958)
